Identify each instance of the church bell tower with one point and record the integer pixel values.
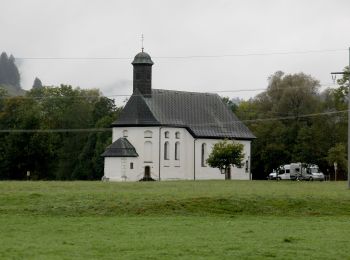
(142, 80)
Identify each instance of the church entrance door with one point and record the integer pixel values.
(147, 174)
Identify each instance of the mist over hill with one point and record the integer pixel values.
(10, 78)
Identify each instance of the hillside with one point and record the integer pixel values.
(13, 91)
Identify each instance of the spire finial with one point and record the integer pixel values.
(142, 38)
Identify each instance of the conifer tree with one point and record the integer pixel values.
(9, 74)
(37, 83)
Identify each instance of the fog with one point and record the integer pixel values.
(245, 40)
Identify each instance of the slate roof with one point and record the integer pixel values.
(120, 148)
(204, 115)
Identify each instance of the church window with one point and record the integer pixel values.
(131, 165)
(177, 151)
(246, 166)
(166, 150)
(204, 155)
(166, 134)
(148, 134)
(125, 133)
(148, 151)
(177, 135)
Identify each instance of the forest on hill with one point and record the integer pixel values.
(293, 121)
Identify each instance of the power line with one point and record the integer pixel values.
(156, 94)
(295, 117)
(67, 130)
(74, 130)
(191, 56)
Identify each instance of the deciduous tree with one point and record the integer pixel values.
(226, 154)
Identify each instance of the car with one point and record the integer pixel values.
(314, 177)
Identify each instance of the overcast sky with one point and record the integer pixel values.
(112, 28)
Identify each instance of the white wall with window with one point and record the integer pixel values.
(166, 150)
(148, 134)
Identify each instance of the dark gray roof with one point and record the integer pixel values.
(204, 115)
(142, 58)
(120, 148)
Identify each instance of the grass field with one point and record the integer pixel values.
(168, 220)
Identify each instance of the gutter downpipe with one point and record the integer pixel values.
(194, 159)
(160, 128)
(249, 161)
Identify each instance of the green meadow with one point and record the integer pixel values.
(170, 220)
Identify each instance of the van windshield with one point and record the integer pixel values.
(314, 170)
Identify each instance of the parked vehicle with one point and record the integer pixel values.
(282, 173)
(297, 171)
(313, 173)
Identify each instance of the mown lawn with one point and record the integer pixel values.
(168, 220)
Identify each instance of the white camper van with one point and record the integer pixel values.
(291, 171)
(297, 171)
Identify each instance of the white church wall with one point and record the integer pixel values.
(121, 169)
(136, 136)
(205, 172)
(112, 168)
(170, 169)
(243, 173)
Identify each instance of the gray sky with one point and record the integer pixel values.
(112, 28)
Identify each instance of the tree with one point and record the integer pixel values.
(277, 119)
(37, 83)
(230, 103)
(337, 155)
(226, 154)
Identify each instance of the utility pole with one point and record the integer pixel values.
(335, 73)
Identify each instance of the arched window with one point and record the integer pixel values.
(148, 151)
(177, 151)
(166, 134)
(125, 133)
(166, 150)
(204, 154)
(148, 134)
(177, 135)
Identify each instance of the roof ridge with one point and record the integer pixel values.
(185, 92)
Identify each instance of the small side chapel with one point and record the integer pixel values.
(169, 134)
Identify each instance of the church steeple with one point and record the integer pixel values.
(142, 73)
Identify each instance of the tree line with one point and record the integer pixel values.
(65, 155)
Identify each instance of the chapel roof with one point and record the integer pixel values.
(120, 148)
(204, 115)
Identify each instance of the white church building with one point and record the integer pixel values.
(169, 134)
